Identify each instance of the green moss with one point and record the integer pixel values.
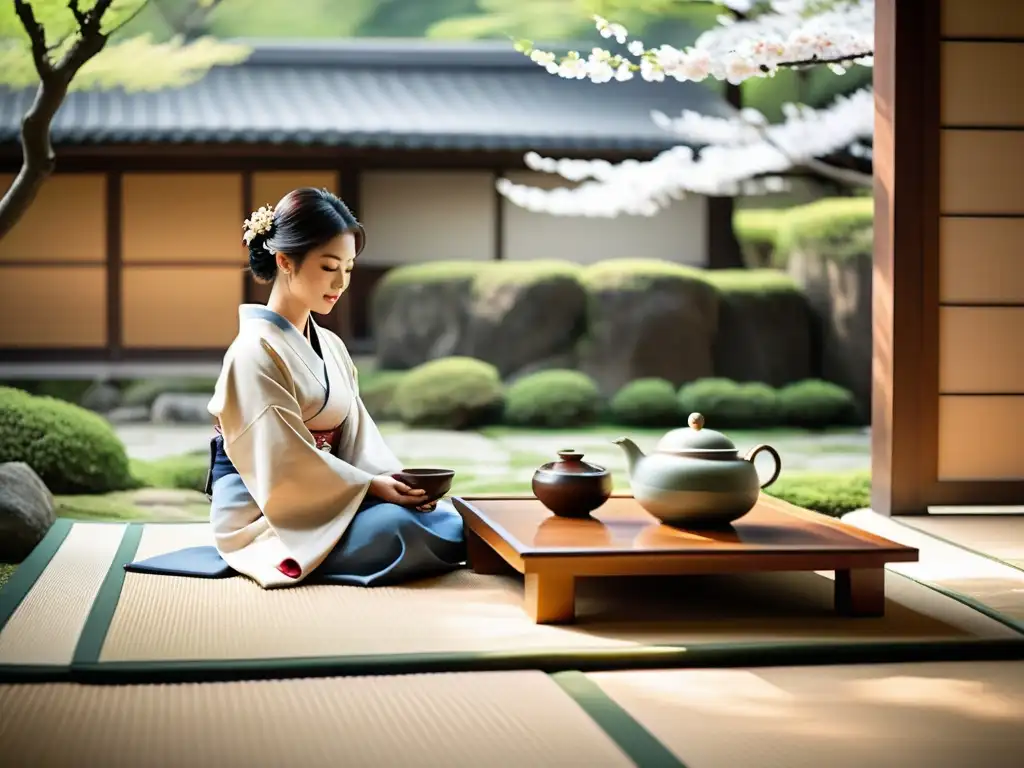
(637, 274)
(830, 493)
(431, 272)
(111, 507)
(757, 229)
(839, 228)
(6, 569)
(523, 273)
(752, 281)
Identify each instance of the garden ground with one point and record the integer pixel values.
(172, 461)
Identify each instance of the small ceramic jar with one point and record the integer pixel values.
(572, 487)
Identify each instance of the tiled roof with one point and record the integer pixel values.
(408, 94)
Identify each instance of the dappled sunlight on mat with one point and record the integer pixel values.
(940, 715)
(460, 720)
(172, 618)
(997, 585)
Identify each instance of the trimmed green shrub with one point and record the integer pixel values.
(450, 393)
(377, 391)
(817, 404)
(725, 403)
(71, 449)
(756, 229)
(840, 228)
(830, 493)
(145, 391)
(553, 399)
(646, 403)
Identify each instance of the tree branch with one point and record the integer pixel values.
(38, 157)
(846, 176)
(814, 61)
(37, 37)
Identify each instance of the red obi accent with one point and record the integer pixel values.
(325, 440)
(290, 568)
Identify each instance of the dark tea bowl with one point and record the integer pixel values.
(436, 482)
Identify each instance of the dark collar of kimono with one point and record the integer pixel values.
(296, 340)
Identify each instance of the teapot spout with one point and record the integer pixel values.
(632, 451)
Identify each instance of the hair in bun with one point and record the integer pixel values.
(303, 220)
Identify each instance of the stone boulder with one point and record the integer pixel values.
(173, 408)
(839, 294)
(647, 319)
(26, 511)
(765, 328)
(513, 315)
(101, 397)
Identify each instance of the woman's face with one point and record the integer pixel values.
(324, 274)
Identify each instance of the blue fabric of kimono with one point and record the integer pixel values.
(384, 544)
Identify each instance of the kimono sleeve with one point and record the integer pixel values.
(298, 488)
(362, 443)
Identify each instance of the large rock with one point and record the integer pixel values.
(101, 397)
(171, 408)
(765, 328)
(26, 511)
(648, 319)
(839, 293)
(513, 315)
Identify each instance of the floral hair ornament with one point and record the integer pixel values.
(259, 222)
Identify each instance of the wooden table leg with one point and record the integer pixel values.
(482, 557)
(550, 598)
(861, 592)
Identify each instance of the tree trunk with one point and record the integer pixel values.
(724, 250)
(38, 158)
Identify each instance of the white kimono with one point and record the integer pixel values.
(297, 500)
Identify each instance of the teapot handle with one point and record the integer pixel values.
(752, 454)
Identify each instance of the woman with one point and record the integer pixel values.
(301, 480)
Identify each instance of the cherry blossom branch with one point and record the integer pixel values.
(734, 51)
(743, 155)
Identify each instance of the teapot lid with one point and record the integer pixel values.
(695, 439)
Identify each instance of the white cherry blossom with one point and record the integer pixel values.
(742, 155)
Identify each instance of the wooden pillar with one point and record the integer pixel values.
(948, 391)
(905, 369)
(114, 266)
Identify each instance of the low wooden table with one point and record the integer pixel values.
(622, 539)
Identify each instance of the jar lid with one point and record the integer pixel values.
(571, 463)
(695, 439)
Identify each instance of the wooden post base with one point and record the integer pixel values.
(550, 599)
(861, 592)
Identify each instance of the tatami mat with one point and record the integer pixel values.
(170, 618)
(993, 584)
(471, 719)
(948, 715)
(163, 619)
(45, 626)
(998, 536)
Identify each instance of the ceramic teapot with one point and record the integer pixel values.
(695, 476)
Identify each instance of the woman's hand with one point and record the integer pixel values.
(386, 488)
(430, 506)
